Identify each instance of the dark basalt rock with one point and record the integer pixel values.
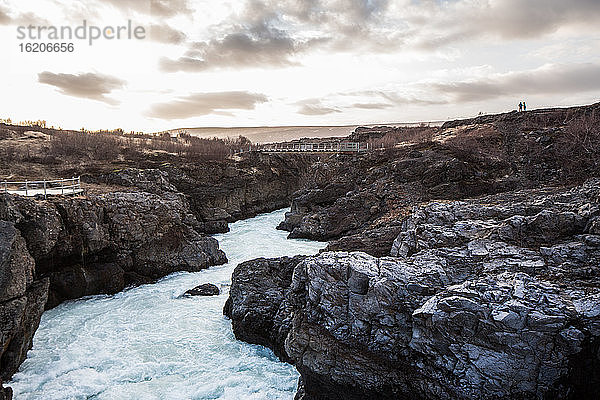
(66, 248)
(256, 299)
(206, 289)
(496, 297)
(103, 243)
(356, 202)
(22, 299)
(219, 192)
(5, 392)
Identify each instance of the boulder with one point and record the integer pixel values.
(206, 289)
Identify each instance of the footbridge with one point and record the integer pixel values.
(316, 147)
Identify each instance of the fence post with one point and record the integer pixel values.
(26, 194)
(5, 187)
(44, 189)
(62, 186)
(73, 185)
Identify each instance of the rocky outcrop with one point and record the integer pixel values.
(357, 201)
(257, 292)
(220, 192)
(375, 240)
(103, 243)
(496, 297)
(237, 189)
(66, 248)
(550, 116)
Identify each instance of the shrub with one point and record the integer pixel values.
(97, 146)
(403, 135)
(578, 147)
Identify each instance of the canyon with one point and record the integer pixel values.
(460, 266)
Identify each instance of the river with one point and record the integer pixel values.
(149, 342)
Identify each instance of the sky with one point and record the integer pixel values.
(282, 62)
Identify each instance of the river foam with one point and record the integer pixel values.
(149, 342)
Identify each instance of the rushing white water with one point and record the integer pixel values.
(150, 343)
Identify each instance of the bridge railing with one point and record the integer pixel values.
(343, 147)
(69, 186)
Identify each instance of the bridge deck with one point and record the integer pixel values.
(48, 192)
(59, 187)
(323, 147)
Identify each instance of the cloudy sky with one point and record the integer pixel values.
(298, 62)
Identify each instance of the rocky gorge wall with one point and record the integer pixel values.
(354, 202)
(357, 202)
(145, 224)
(66, 248)
(495, 297)
(326, 314)
(222, 192)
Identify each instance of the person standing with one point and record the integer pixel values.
(524, 106)
(520, 107)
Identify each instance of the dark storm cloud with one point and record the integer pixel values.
(88, 86)
(198, 104)
(273, 34)
(166, 34)
(260, 45)
(382, 26)
(554, 79)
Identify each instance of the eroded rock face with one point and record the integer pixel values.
(496, 297)
(66, 248)
(256, 299)
(356, 201)
(508, 335)
(219, 192)
(22, 300)
(102, 243)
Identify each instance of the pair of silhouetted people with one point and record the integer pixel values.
(522, 106)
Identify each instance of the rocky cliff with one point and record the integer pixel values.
(146, 224)
(221, 191)
(356, 202)
(66, 248)
(495, 297)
